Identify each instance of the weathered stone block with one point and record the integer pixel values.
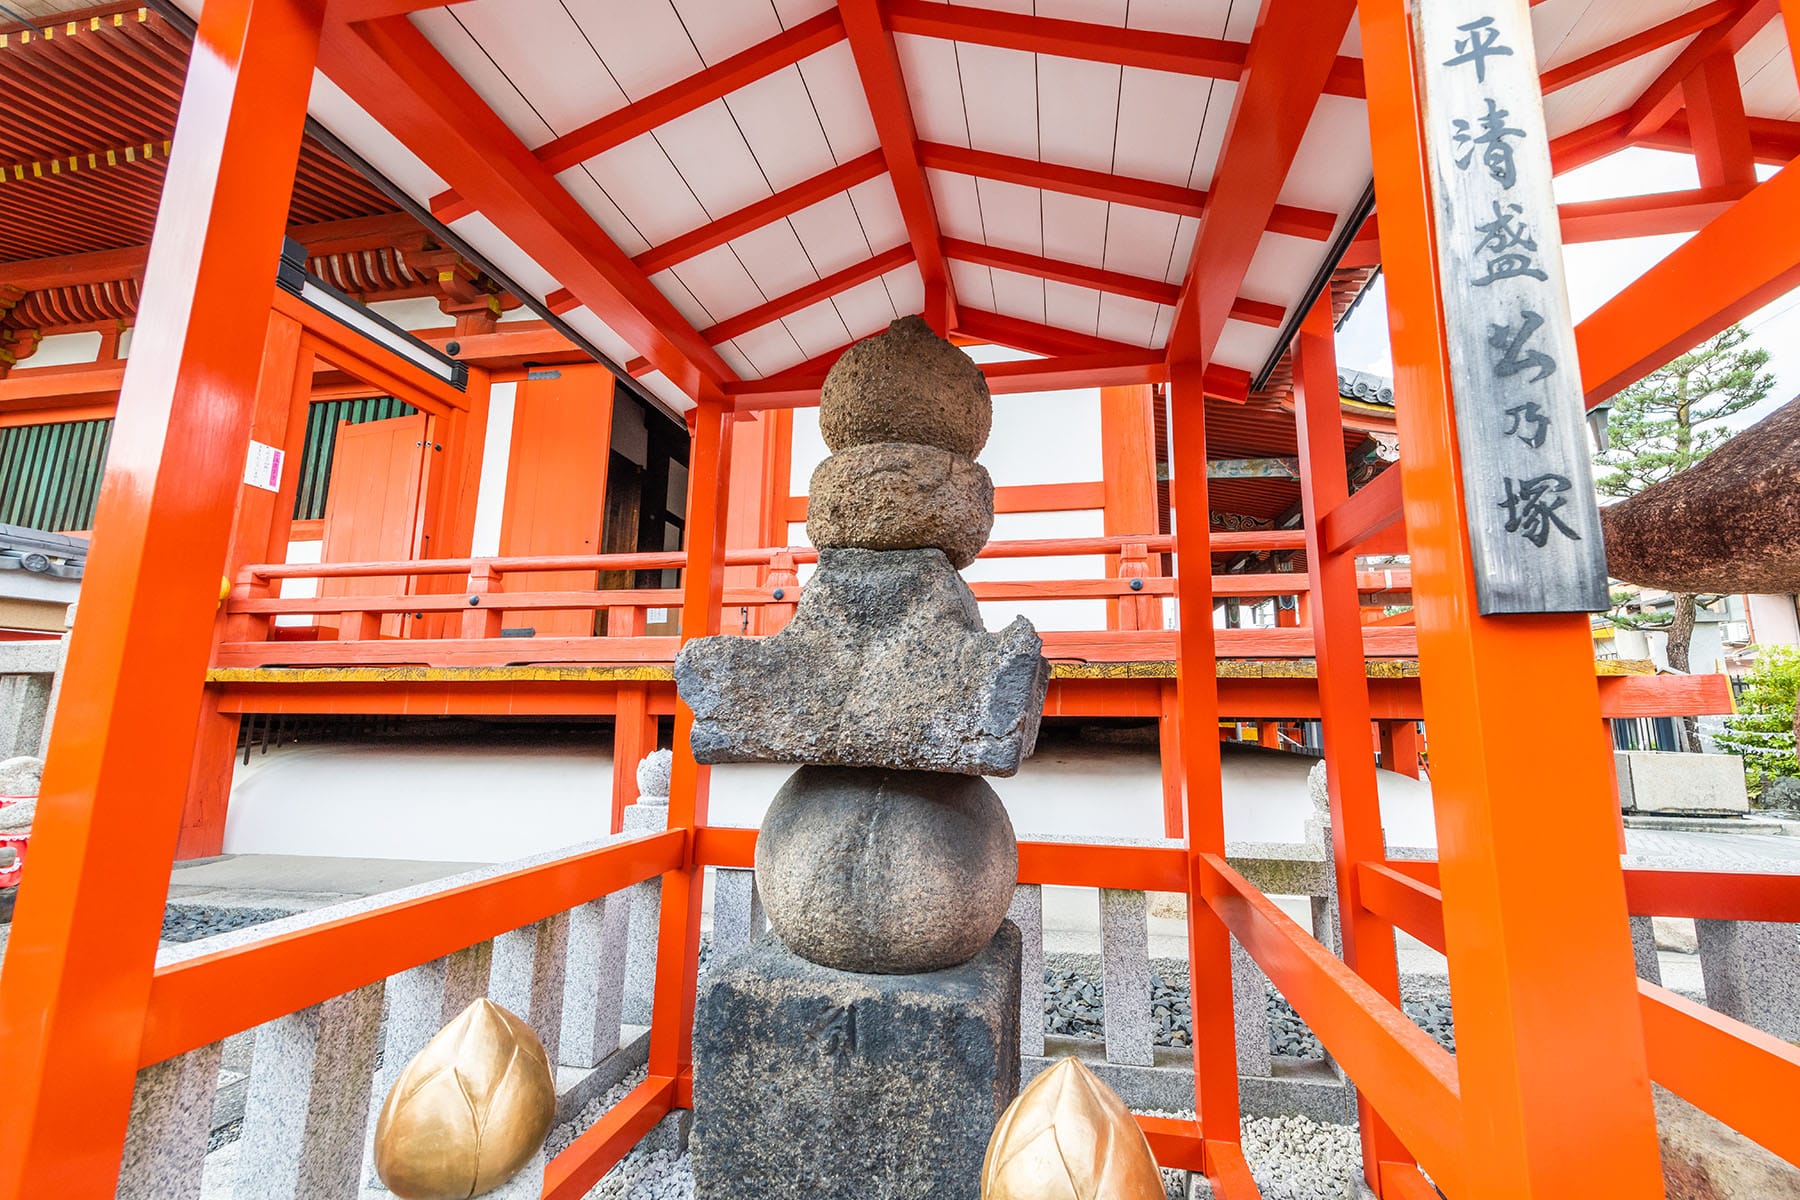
(886, 663)
(901, 496)
(815, 1084)
(1752, 973)
(1685, 783)
(906, 384)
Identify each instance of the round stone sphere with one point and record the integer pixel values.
(886, 872)
(906, 384)
(901, 496)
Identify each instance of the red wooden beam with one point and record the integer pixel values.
(1180, 54)
(1290, 61)
(812, 293)
(1747, 257)
(784, 203)
(800, 389)
(1638, 44)
(1591, 142)
(1663, 98)
(1033, 338)
(679, 98)
(884, 86)
(1772, 142)
(1308, 223)
(1117, 282)
(390, 68)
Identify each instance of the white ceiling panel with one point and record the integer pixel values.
(706, 147)
(1607, 93)
(1011, 215)
(838, 100)
(592, 197)
(932, 88)
(691, 310)
(906, 288)
(974, 285)
(1245, 346)
(1165, 317)
(1332, 165)
(1159, 122)
(1181, 255)
(866, 308)
(734, 358)
(1069, 307)
(1574, 28)
(770, 349)
(1138, 241)
(1000, 95)
(664, 389)
(878, 211)
(1212, 134)
(1075, 228)
(792, 12)
(958, 205)
(371, 140)
(817, 328)
(1766, 69)
(1127, 319)
(1078, 111)
(445, 29)
(540, 48)
(775, 259)
(591, 327)
(833, 236)
(719, 282)
(1019, 296)
(1098, 12)
(505, 254)
(776, 117)
(1203, 18)
(722, 28)
(648, 189)
(642, 42)
(1280, 267)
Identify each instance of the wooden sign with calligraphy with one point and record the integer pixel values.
(1534, 524)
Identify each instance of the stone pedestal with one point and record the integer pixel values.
(816, 1084)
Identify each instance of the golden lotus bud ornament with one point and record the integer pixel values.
(469, 1111)
(1068, 1137)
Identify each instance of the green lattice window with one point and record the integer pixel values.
(50, 474)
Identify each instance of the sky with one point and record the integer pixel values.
(1597, 271)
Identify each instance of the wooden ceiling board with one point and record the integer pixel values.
(1182, 252)
(1067, 306)
(370, 139)
(1597, 25)
(505, 254)
(958, 206)
(878, 211)
(588, 193)
(1000, 98)
(1012, 215)
(1609, 92)
(1160, 117)
(776, 260)
(664, 389)
(1076, 228)
(1128, 319)
(642, 42)
(648, 189)
(779, 122)
(932, 88)
(1766, 71)
(722, 28)
(1216, 124)
(838, 101)
(818, 328)
(590, 326)
(1246, 346)
(448, 30)
(540, 47)
(974, 285)
(1019, 296)
(834, 238)
(1165, 317)
(1139, 241)
(792, 12)
(675, 288)
(906, 287)
(1097, 12)
(866, 308)
(1278, 262)
(1202, 18)
(714, 159)
(1331, 166)
(770, 349)
(734, 358)
(1077, 112)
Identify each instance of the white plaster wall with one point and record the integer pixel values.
(310, 551)
(490, 497)
(1773, 621)
(65, 349)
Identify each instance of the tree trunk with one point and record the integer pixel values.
(1681, 637)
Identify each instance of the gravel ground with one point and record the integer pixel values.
(1293, 1158)
(191, 922)
(1074, 1006)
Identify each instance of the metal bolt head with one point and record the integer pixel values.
(1137, 585)
(779, 593)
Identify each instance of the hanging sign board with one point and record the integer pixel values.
(1534, 524)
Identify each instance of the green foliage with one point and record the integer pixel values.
(1670, 419)
(1762, 730)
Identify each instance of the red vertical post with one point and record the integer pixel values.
(1197, 706)
(83, 946)
(703, 588)
(1790, 17)
(1717, 125)
(1555, 1092)
(634, 729)
(1356, 834)
(1169, 751)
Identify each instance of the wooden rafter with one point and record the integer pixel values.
(1663, 99)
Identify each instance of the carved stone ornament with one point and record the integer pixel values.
(469, 1111)
(1068, 1137)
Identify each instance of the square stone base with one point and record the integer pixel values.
(828, 1085)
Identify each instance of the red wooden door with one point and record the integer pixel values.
(372, 506)
(556, 487)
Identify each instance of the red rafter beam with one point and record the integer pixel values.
(1772, 141)
(1033, 338)
(1734, 266)
(1662, 99)
(1179, 54)
(1627, 49)
(884, 86)
(1256, 312)
(812, 293)
(784, 203)
(1594, 141)
(1291, 58)
(679, 98)
(392, 70)
(799, 387)
(1307, 223)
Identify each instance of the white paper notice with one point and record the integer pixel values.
(262, 468)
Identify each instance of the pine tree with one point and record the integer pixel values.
(1664, 424)
(1762, 730)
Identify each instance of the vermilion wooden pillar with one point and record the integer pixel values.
(83, 945)
(1554, 1091)
(1400, 747)
(702, 587)
(1356, 834)
(259, 534)
(1197, 699)
(1128, 455)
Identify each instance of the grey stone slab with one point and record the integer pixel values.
(171, 1117)
(575, 1086)
(528, 975)
(1250, 1011)
(24, 707)
(737, 916)
(886, 663)
(1622, 768)
(1302, 1087)
(308, 1105)
(1643, 949)
(528, 1184)
(815, 1084)
(1752, 973)
(1027, 914)
(1125, 975)
(1686, 783)
(646, 919)
(594, 996)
